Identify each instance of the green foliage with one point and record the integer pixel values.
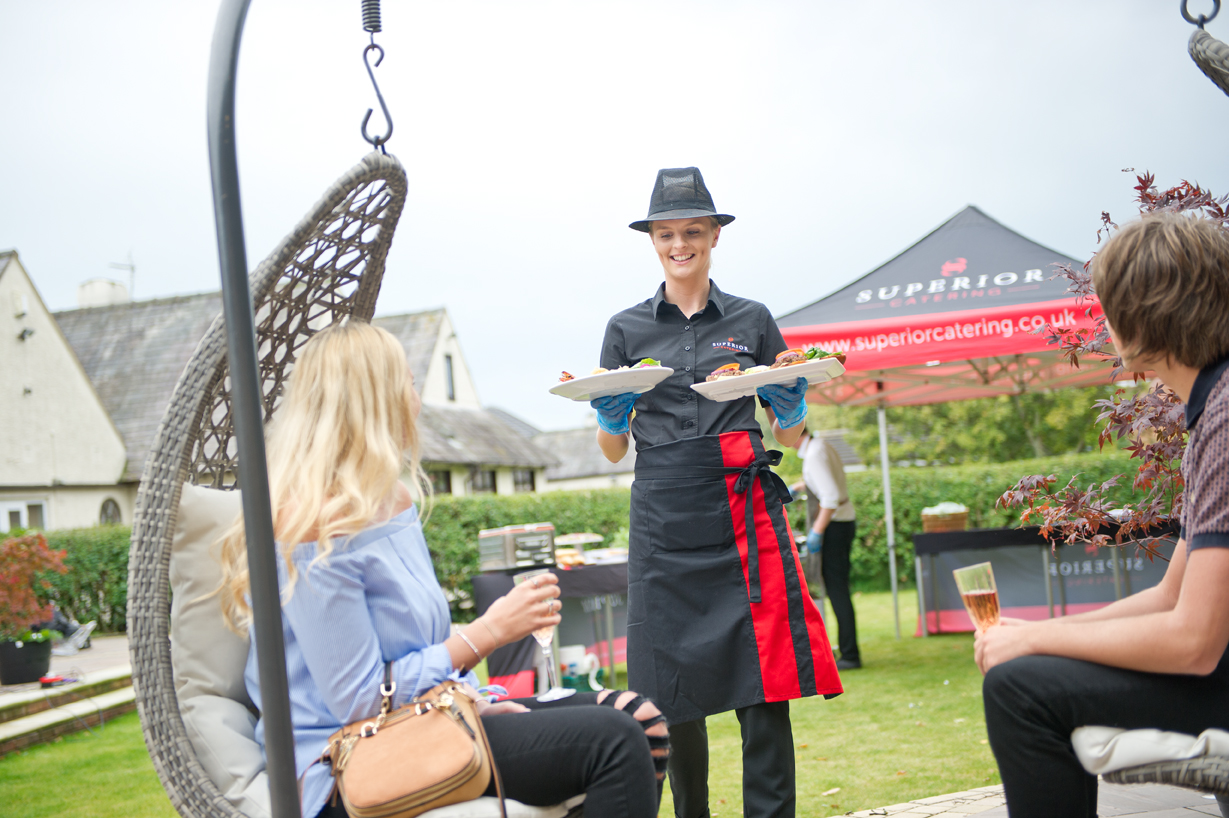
(452, 529)
(976, 486)
(987, 430)
(96, 585)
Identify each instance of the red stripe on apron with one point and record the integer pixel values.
(817, 634)
(773, 638)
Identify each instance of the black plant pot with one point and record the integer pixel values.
(28, 663)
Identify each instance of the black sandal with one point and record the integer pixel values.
(655, 742)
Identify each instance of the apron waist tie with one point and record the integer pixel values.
(757, 469)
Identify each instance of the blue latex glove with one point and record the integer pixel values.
(788, 402)
(613, 410)
(815, 541)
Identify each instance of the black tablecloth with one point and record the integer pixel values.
(582, 580)
(972, 538)
(512, 665)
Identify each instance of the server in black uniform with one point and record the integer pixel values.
(719, 617)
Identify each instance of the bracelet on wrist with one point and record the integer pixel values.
(494, 638)
(467, 641)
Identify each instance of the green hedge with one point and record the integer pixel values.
(96, 585)
(453, 526)
(976, 486)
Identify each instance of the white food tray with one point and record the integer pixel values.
(616, 382)
(820, 370)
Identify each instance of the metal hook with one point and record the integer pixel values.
(1203, 18)
(378, 141)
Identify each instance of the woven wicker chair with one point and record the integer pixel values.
(327, 269)
(1150, 756)
(1206, 774)
(1212, 57)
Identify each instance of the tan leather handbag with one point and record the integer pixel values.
(429, 753)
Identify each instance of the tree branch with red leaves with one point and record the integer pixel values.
(1151, 425)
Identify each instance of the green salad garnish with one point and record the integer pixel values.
(648, 362)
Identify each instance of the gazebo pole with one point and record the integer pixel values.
(887, 508)
(246, 411)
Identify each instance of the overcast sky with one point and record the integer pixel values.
(837, 133)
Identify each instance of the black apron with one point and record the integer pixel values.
(719, 616)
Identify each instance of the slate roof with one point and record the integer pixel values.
(449, 434)
(579, 455)
(133, 353)
(418, 333)
(520, 425)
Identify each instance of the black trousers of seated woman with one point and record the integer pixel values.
(567, 747)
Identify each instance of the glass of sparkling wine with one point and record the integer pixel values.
(980, 595)
(546, 638)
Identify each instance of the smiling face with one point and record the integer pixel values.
(684, 246)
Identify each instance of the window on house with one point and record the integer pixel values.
(450, 385)
(110, 513)
(522, 480)
(34, 516)
(441, 481)
(483, 482)
(14, 519)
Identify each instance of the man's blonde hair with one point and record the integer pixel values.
(1163, 282)
(336, 449)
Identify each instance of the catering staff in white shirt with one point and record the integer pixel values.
(832, 534)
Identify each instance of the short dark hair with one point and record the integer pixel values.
(1163, 282)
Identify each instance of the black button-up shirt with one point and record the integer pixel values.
(729, 329)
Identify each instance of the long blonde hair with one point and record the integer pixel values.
(336, 448)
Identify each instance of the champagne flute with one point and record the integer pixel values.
(980, 594)
(546, 638)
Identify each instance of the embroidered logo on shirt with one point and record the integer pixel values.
(730, 345)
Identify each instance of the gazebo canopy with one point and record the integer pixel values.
(950, 318)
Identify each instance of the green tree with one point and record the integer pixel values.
(987, 430)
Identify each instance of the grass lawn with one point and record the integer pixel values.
(106, 775)
(909, 725)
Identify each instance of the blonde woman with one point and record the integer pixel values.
(359, 590)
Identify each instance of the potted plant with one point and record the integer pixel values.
(25, 655)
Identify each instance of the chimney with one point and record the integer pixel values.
(101, 292)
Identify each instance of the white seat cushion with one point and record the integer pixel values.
(208, 659)
(1106, 749)
(488, 807)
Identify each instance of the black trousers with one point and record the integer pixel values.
(566, 748)
(1034, 702)
(768, 763)
(838, 540)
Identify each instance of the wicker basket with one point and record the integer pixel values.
(932, 523)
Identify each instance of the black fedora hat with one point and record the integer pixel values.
(679, 193)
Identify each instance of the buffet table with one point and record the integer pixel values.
(594, 610)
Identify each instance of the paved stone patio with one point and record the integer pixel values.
(1142, 800)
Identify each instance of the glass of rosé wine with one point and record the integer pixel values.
(980, 595)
